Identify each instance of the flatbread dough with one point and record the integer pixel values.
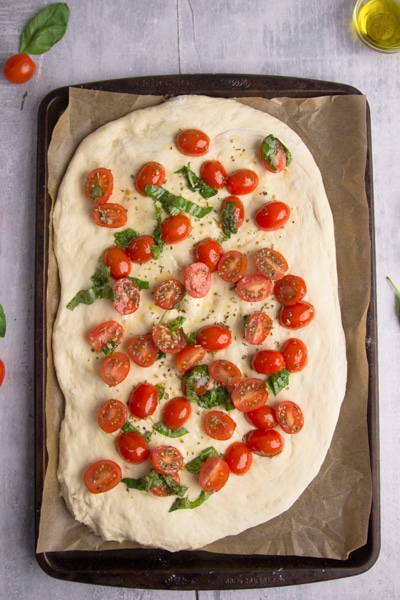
(272, 485)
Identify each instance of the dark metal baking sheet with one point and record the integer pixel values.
(194, 570)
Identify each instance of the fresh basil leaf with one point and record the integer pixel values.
(174, 205)
(277, 382)
(397, 292)
(194, 465)
(142, 285)
(229, 223)
(218, 396)
(124, 238)
(101, 275)
(127, 426)
(152, 479)
(160, 392)
(3, 325)
(45, 29)
(100, 289)
(160, 427)
(185, 503)
(196, 184)
(269, 151)
(83, 297)
(195, 378)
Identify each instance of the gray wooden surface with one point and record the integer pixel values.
(107, 39)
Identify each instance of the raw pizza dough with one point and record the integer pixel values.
(307, 241)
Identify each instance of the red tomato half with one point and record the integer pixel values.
(197, 280)
(242, 181)
(213, 475)
(271, 263)
(289, 416)
(257, 328)
(152, 173)
(209, 252)
(265, 442)
(295, 354)
(290, 289)
(297, 315)
(111, 415)
(19, 68)
(232, 266)
(142, 350)
(167, 460)
(176, 412)
(140, 249)
(132, 447)
(99, 185)
(106, 336)
(192, 142)
(214, 337)
(102, 476)
(272, 216)
(238, 209)
(126, 296)
(110, 215)
(118, 261)
(268, 362)
(143, 400)
(170, 342)
(189, 357)
(218, 425)
(262, 418)
(249, 394)
(213, 173)
(169, 293)
(254, 288)
(175, 229)
(239, 458)
(114, 368)
(279, 162)
(225, 373)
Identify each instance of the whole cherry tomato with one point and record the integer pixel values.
(239, 458)
(175, 229)
(213, 173)
(214, 337)
(143, 400)
(272, 216)
(192, 142)
(242, 181)
(19, 68)
(209, 252)
(152, 173)
(295, 354)
(118, 261)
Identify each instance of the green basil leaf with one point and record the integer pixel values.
(185, 503)
(194, 378)
(277, 382)
(269, 150)
(3, 325)
(124, 238)
(45, 29)
(196, 184)
(218, 396)
(397, 292)
(172, 433)
(229, 223)
(101, 275)
(153, 479)
(194, 465)
(83, 297)
(174, 205)
(142, 285)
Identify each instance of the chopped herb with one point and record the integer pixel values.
(277, 382)
(185, 503)
(194, 465)
(142, 285)
(269, 150)
(172, 433)
(195, 378)
(3, 325)
(196, 184)
(99, 289)
(128, 427)
(228, 220)
(174, 205)
(218, 396)
(152, 479)
(125, 237)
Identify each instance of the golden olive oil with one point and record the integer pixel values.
(378, 23)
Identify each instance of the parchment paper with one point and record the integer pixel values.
(331, 518)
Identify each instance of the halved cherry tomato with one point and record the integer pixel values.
(218, 425)
(239, 458)
(197, 280)
(271, 263)
(143, 400)
(114, 368)
(175, 229)
(142, 350)
(242, 181)
(170, 342)
(297, 315)
(111, 415)
(213, 173)
(19, 68)
(257, 328)
(209, 252)
(126, 296)
(166, 460)
(189, 357)
(169, 293)
(192, 142)
(163, 489)
(176, 412)
(267, 442)
(289, 416)
(132, 446)
(295, 354)
(263, 417)
(225, 373)
(140, 249)
(102, 476)
(272, 216)
(110, 215)
(254, 288)
(268, 362)
(249, 394)
(2, 371)
(290, 289)
(152, 173)
(276, 161)
(238, 209)
(214, 337)
(118, 261)
(99, 185)
(106, 336)
(213, 475)
(232, 266)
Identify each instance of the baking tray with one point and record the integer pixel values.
(194, 570)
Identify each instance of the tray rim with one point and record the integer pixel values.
(228, 571)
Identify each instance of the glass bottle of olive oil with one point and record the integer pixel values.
(377, 22)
